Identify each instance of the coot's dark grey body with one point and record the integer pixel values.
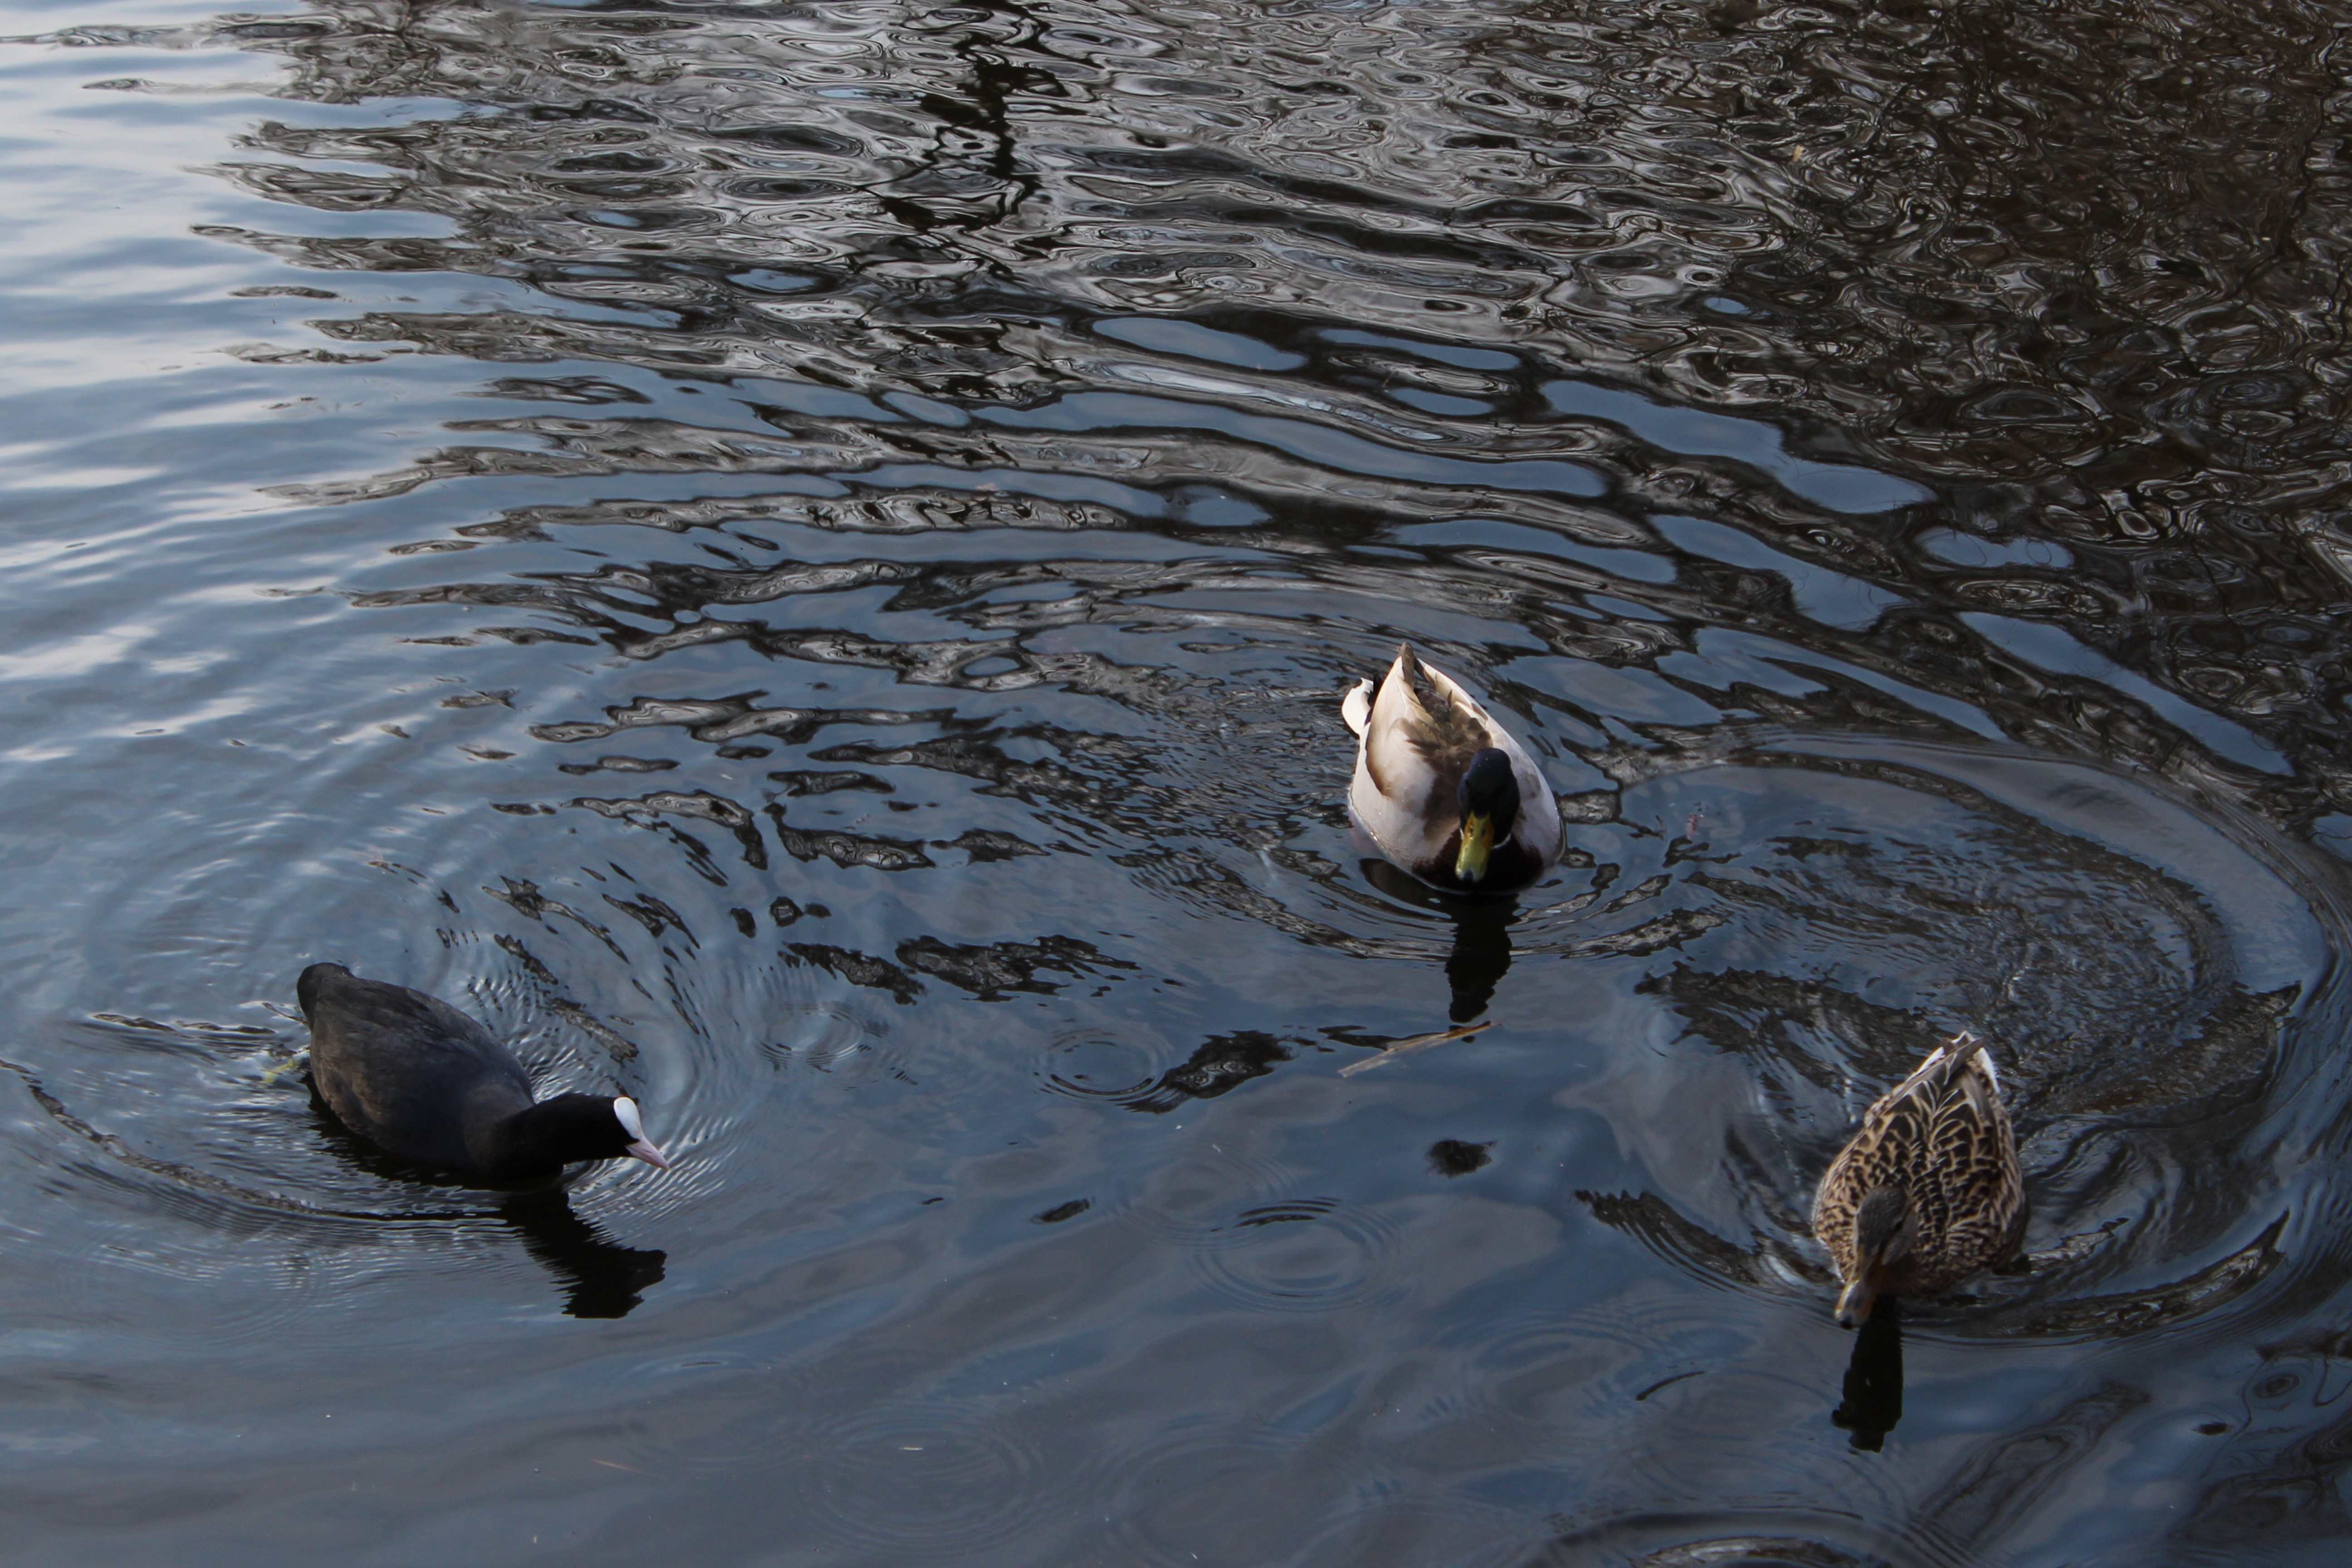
(420, 1079)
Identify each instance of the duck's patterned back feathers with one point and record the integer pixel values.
(1450, 730)
(1442, 722)
(1942, 1137)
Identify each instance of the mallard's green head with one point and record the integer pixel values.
(1489, 797)
(1884, 1230)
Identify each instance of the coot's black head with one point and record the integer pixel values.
(1489, 798)
(306, 989)
(571, 1128)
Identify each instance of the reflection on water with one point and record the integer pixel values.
(1481, 953)
(599, 1279)
(799, 560)
(1871, 1398)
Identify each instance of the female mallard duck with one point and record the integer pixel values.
(1928, 1192)
(1442, 790)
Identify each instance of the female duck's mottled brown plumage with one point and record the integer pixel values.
(1928, 1192)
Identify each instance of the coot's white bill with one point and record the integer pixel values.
(644, 1148)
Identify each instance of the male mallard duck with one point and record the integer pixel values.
(1928, 1192)
(1442, 790)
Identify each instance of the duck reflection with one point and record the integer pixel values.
(601, 1278)
(1873, 1401)
(1481, 936)
(1481, 956)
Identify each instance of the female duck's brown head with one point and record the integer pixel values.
(1885, 1231)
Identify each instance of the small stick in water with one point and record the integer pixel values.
(1405, 1048)
(298, 1060)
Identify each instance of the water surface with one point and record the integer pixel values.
(799, 560)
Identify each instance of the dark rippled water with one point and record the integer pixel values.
(799, 560)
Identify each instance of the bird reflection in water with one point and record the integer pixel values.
(1481, 936)
(601, 1277)
(1873, 1401)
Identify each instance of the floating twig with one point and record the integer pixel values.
(1405, 1048)
(298, 1060)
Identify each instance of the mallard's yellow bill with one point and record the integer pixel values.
(1477, 843)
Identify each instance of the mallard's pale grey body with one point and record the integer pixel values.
(1928, 1192)
(1417, 735)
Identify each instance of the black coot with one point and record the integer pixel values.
(420, 1079)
